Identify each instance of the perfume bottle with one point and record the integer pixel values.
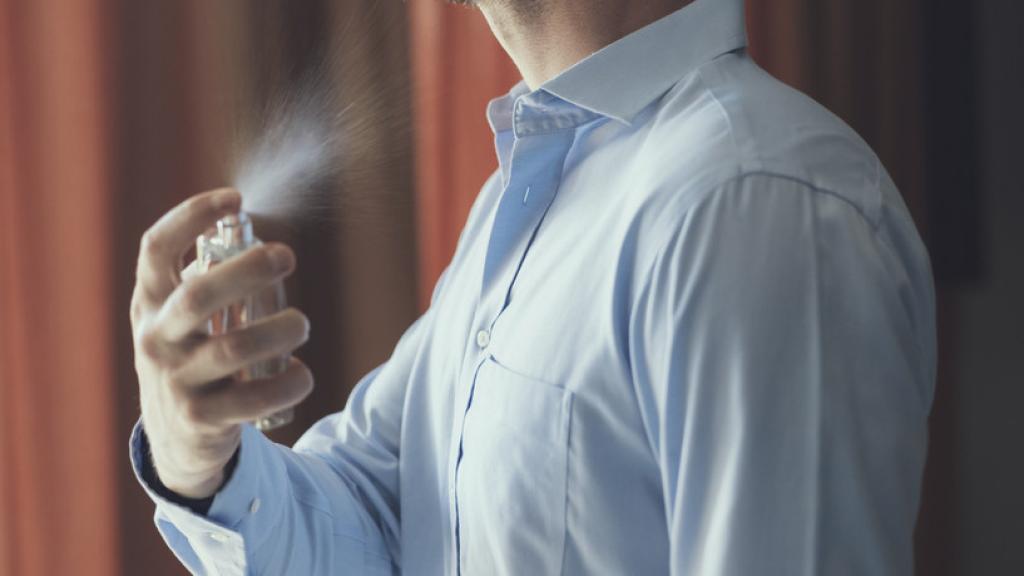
(232, 236)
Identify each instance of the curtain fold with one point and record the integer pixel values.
(56, 375)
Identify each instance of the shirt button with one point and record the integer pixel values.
(218, 537)
(254, 506)
(483, 338)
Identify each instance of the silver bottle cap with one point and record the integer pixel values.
(235, 231)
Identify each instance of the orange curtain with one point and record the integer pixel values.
(58, 512)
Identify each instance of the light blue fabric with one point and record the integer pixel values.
(688, 329)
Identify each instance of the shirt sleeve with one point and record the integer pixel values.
(328, 506)
(785, 380)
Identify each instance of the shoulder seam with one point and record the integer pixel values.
(802, 181)
(708, 192)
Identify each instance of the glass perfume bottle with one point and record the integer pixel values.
(232, 236)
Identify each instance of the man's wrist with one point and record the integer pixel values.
(198, 504)
(195, 490)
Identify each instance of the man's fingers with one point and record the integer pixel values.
(221, 356)
(190, 271)
(243, 401)
(165, 242)
(199, 297)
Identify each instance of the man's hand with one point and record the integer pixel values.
(191, 407)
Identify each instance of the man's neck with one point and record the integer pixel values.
(545, 37)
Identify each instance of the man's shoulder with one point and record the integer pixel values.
(731, 119)
(731, 125)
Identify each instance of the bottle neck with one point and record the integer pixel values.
(235, 231)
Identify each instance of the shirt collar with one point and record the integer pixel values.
(622, 78)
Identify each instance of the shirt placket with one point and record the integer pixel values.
(537, 159)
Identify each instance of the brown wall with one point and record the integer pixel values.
(988, 343)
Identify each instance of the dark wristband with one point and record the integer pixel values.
(198, 505)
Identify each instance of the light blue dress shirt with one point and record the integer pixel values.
(688, 330)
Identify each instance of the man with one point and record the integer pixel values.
(688, 330)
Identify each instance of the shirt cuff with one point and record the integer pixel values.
(148, 472)
(243, 513)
